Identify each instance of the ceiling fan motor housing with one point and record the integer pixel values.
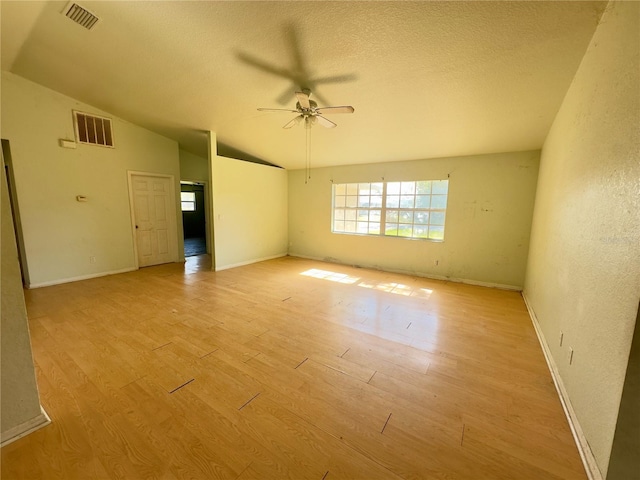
(307, 111)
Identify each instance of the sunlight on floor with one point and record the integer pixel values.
(391, 287)
(331, 276)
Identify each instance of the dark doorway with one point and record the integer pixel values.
(193, 219)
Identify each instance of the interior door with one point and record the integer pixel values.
(154, 216)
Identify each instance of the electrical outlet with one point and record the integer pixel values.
(570, 355)
(92, 259)
(561, 338)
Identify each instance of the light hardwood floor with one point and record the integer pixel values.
(289, 369)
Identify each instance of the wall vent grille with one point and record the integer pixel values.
(80, 15)
(93, 130)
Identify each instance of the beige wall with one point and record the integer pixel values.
(487, 226)
(61, 234)
(19, 401)
(249, 210)
(193, 167)
(583, 275)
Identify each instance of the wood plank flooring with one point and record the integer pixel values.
(288, 369)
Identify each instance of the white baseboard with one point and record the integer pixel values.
(416, 274)
(249, 262)
(586, 454)
(25, 428)
(81, 277)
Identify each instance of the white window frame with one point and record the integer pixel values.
(184, 201)
(353, 214)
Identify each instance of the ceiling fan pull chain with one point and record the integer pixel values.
(308, 162)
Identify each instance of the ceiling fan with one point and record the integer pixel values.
(309, 112)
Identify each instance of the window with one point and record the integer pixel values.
(396, 209)
(188, 201)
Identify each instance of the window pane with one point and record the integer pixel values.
(436, 233)
(393, 188)
(188, 207)
(352, 188)
(406, 201)
(341, 201)
(364, 188)
(422, 201)
(405, 230)
(363, 200)
(439, 201)
(408, 188)
(437, 218)
(338, 226)
(374, 228)
(349, 214)
(393, 201)
(421, 218)
(376, 188)
(406, 217)
(363, 227)
(420, 231)
(374, 215)
(352, 201)
(338, 214)
(440, 186)
(350, 227)
(376, 201)
(392, 216)
(363, 215)
(188, 196)
(391, 229)
(341, 189)
(423, 187)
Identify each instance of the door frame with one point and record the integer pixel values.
(207, 215)
(173, 214)
(7, 161)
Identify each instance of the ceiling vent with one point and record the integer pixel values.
(80, 15)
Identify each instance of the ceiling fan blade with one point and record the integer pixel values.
(303, 99)
(342, 109)
(325, 122)
(293, 122)
(277, 110)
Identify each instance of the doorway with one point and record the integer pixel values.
(154, 218)
(193, 218)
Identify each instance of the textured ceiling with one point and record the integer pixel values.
(427, 79)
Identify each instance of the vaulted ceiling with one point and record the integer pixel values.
(426, 79)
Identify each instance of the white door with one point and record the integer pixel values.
(155, 219)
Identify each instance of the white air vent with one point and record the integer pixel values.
(93, 130)
(80, 15)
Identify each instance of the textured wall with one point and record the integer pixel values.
(193, 167)
(61, 234)
(249, 210)
(487, 225)
(583, 275)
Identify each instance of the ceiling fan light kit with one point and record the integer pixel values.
(308, 111)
